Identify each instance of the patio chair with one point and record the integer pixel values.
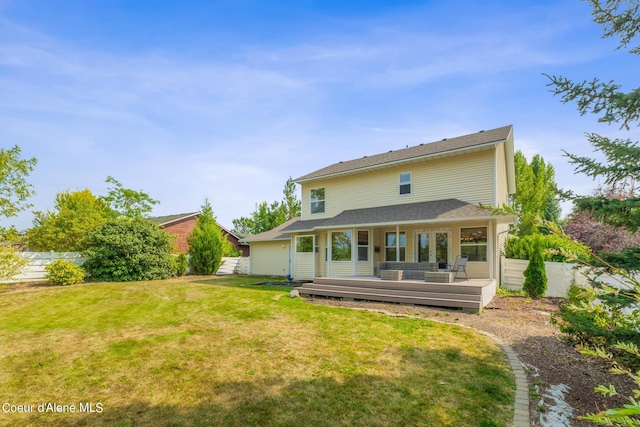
(459, 265)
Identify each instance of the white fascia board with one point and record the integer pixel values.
(505, 219)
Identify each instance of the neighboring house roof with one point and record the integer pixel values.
(170, 219)
(273, 234)
(419, 152)
(421, 212)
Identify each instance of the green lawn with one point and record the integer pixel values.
(216, 351)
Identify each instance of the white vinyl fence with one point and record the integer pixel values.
(244, 266)
(34, 271)
(560, 277)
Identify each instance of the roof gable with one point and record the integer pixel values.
(168, 219)
(444, 146)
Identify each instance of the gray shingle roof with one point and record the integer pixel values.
(273, 234)
(420, 212)
(419, 151)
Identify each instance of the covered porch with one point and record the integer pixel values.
(472, 295)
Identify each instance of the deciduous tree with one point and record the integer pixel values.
(268, 216)
(14, 188)
(536, 196)
(69, 226)
(127, 202)
(14, 192)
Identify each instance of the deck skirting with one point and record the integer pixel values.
(471, 295)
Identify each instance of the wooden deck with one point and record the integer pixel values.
(473, 294)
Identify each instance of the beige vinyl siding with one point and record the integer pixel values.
(270, 258)
(364, 268)
(304, 266)
(341, 268)
(502, 192)
(468, 177)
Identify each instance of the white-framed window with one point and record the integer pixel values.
(473, 243)
(317, 200)
(363, 245)
(304, 244)
(391, 247)
(404, 183)
(341, 246)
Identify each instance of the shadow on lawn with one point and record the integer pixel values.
(263, 283)
(415, 396)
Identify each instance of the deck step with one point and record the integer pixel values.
(362, 294)
(311, 287)
(408, 285)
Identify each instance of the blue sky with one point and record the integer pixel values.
(227, 99)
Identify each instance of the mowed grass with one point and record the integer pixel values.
(220, 352)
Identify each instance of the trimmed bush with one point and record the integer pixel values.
(126, 249)
(535, 276)
(62, 272)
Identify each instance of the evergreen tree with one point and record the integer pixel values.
(206, 243)
(597, 307)
(612, 105)
(535, 276)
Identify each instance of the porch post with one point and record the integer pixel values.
(491, 230)
(397, 243)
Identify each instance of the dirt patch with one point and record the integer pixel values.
(554, 367)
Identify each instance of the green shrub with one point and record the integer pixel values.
(598, 316)
(535, 276)
(62, 272)
(127, 249)
(181, 264)
(554, 248)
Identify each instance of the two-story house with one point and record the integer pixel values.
(422, 203)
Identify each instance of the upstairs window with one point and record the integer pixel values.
(317, 200)
(404, 180)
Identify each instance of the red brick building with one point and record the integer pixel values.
(182, 225)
